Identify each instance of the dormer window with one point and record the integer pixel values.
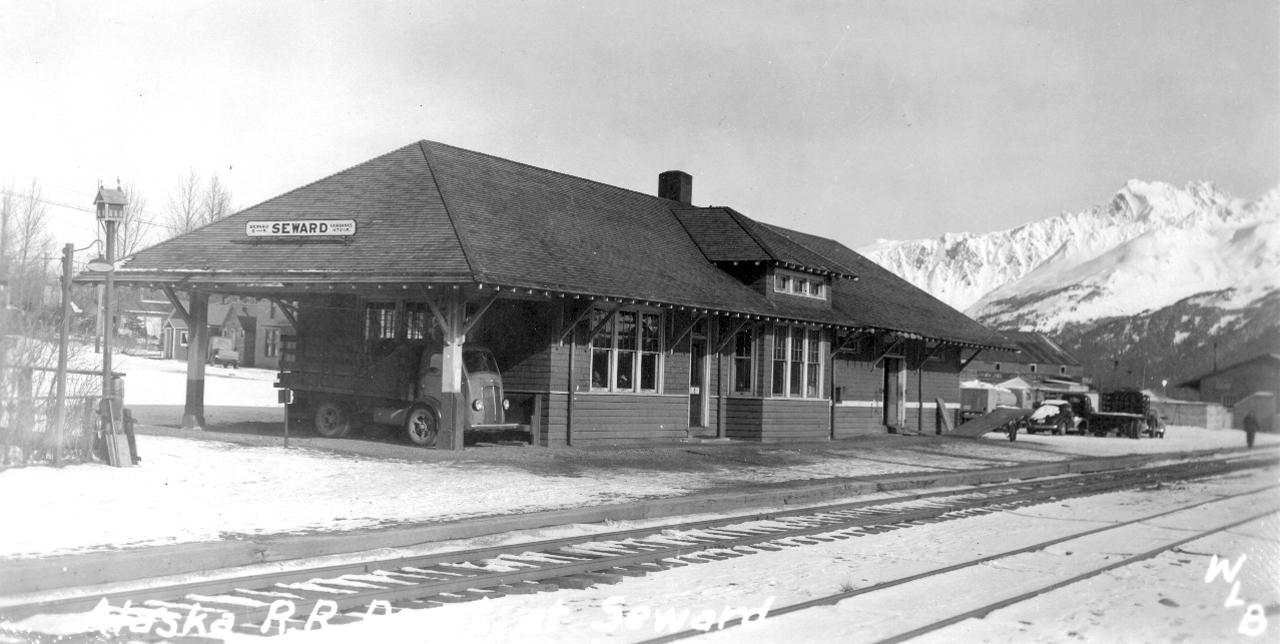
(797, 284)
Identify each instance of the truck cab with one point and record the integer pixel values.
(482, 391)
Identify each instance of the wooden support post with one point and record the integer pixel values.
(197, 353)
(451, 394)
(535, 421)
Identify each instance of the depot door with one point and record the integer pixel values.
(697, 381)
(894, 383)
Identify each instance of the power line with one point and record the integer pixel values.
(60, 204)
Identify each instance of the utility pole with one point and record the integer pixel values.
(110, 206)
(64, 330)
(4, 300)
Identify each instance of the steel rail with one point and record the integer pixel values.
(214, 586)
(460, 580)
(835, 598)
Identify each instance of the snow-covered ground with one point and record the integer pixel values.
(203, 490)
(1163, 599)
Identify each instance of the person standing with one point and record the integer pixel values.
(1250, 428)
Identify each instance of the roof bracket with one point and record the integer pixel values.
(728, 337)
(671, 346)
(475, 317)
(887, 351)
(586, 310)
(177, 304)
(848, 341)
(290, 311)
(608, 317)
(929, 354)
(976, 353)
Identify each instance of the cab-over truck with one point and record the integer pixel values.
(342, 379)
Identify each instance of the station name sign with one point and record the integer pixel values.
(301, 228)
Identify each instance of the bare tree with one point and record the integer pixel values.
(191, 206)
(7, 208)
(135, 229)
(31, 244)
(216, 202)
(184, 205)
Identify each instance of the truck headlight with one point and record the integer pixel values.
(477, 404)
(506, 404)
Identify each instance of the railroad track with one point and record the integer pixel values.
(986, 608)
(345, 593)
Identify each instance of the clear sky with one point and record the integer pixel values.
(856, 120)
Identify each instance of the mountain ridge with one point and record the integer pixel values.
(1129, 279)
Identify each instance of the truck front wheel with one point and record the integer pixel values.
(332, 420)
(422, 426)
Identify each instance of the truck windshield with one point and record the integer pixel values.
(479, 361)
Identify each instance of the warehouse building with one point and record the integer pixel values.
(615, 316)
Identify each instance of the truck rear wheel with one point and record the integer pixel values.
(422, 426)
(332, 420)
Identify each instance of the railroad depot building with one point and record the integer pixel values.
(614, 316)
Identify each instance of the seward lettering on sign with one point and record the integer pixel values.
(301, 228)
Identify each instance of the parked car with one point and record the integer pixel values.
(1054, 416)
(226, 358)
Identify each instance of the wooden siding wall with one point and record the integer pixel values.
(572, 414)
(862, 381)
(604, 418)
(777, 419)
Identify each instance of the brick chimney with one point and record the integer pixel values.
(676, 185)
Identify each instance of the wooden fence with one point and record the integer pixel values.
(27, 406)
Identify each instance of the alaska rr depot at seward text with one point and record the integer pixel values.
(615, 316)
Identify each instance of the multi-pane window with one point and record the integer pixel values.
(649, 337)
(271, 343)
(813, 364)
(601, 350)
(380, 321)
(625, 353)
(743, 362)
(781, 339)
(796, 285)
(415, 319)
(797, 362)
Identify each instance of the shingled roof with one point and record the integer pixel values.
(433, 213)
(725, 235)
(881, 300)
(1036, 348)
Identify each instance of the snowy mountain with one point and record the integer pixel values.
(1169, 278)
(1152, 245)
